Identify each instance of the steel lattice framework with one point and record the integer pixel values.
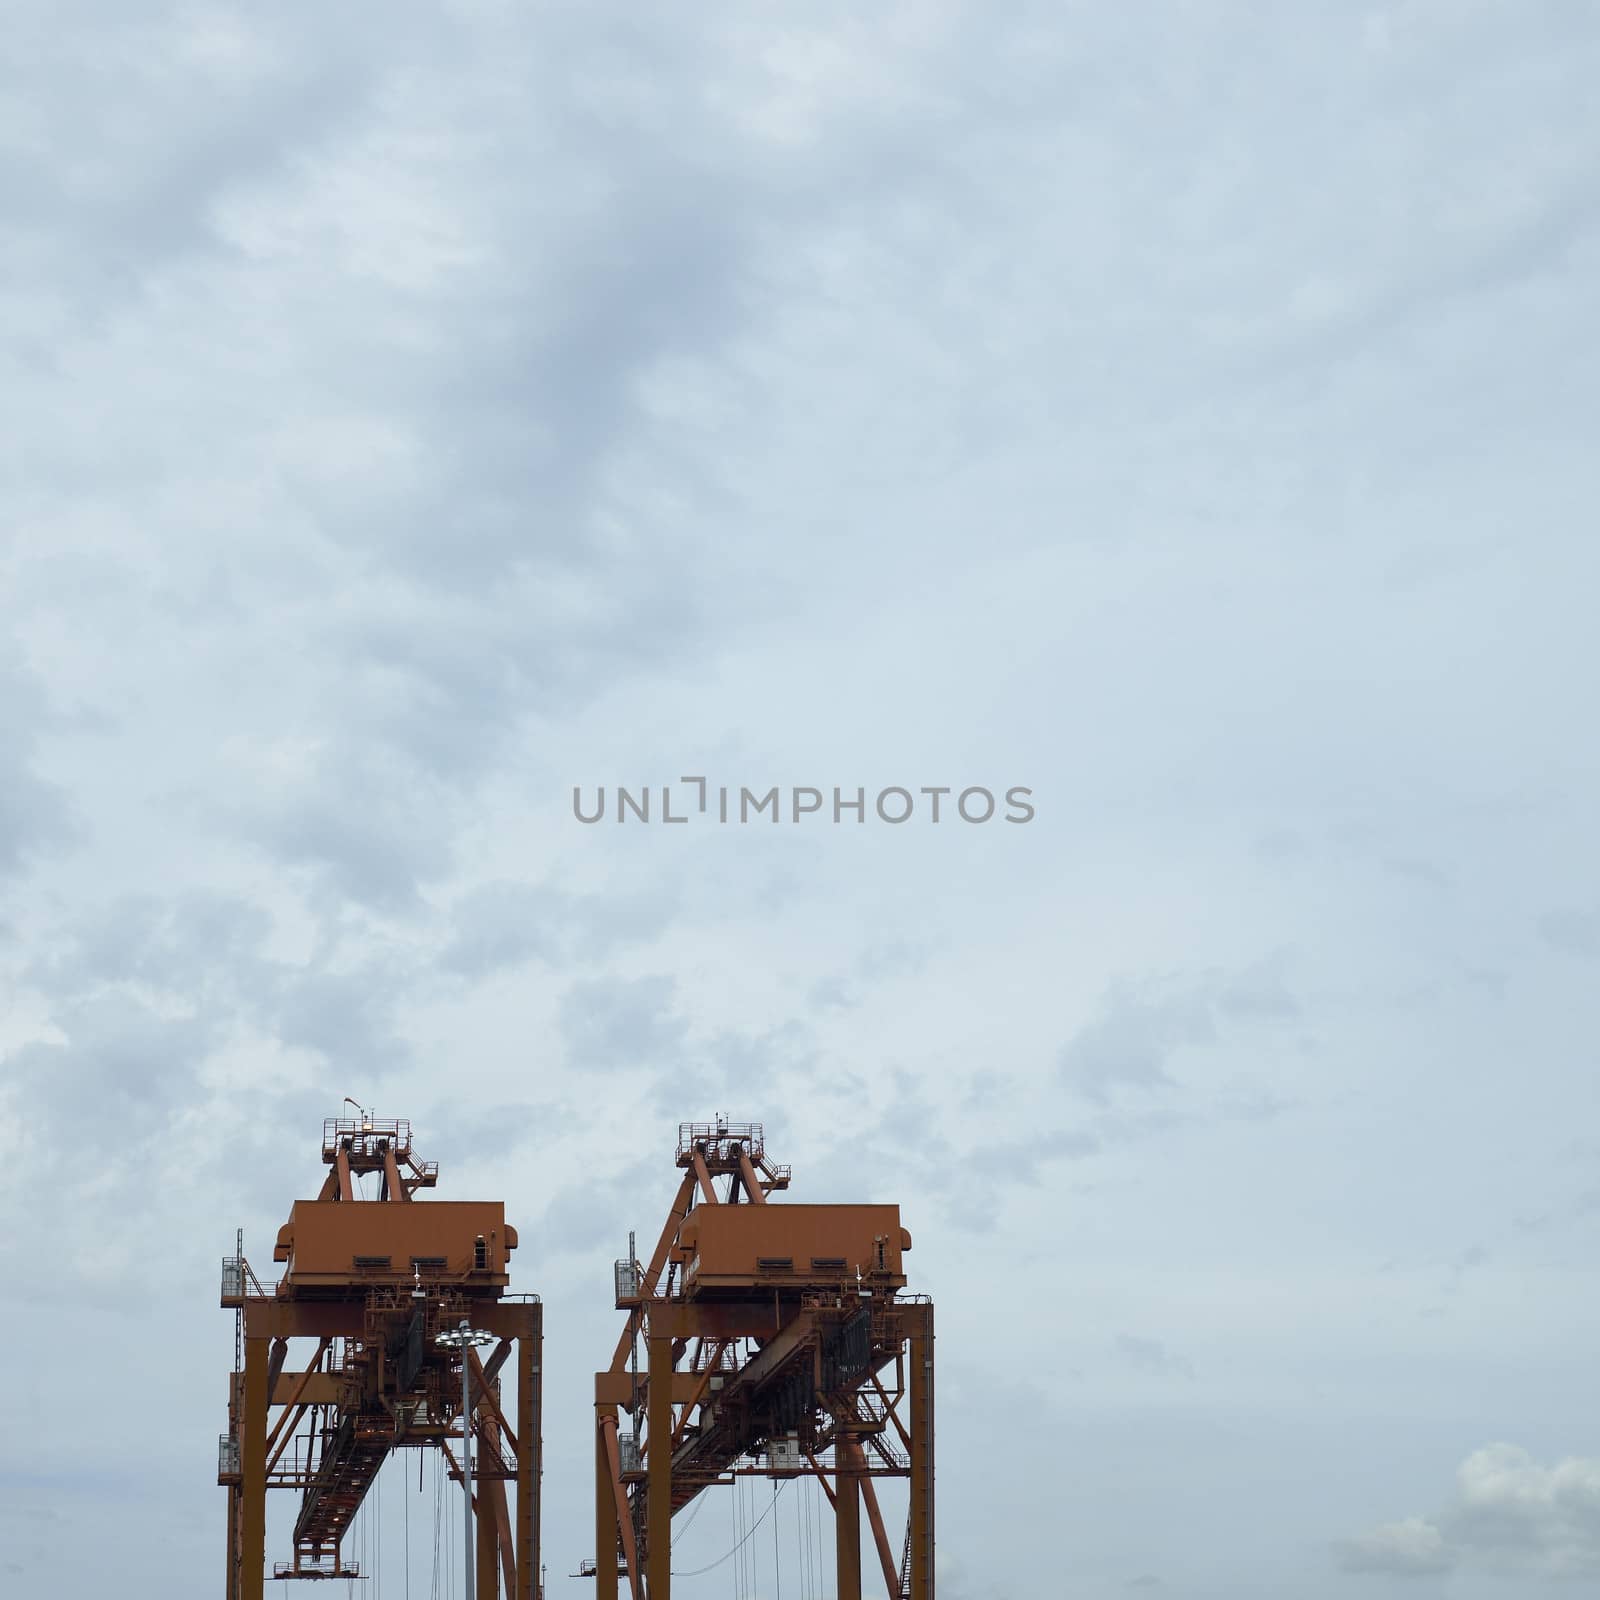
(779, 1342)
(373, 1283)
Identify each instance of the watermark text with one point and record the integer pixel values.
(696, 798)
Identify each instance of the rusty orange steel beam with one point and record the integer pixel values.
(391, 1175)
(294, 1399)
(680, 1209)
(280, 1354)
(497, 1359)
(890, 1412)
(704, 1177)
(283, 1444)
(822, 1478)
(880, 1536)
(699, 1393)
(453, 1473)
(630, 1553)
(752, 1183)
(485, 1399)
(502, 1510)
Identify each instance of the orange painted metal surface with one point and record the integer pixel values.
(739, 1247)
(328, 1243)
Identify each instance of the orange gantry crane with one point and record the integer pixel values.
(374, 1282)
(780, 1343)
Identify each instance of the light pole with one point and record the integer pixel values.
(463, 1339)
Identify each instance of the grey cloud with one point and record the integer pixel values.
(347, 1018)
(1129, 1044)
(248, 104)
(370, 826)
(504, 924)
(598, 1211)
(119, 1074)
(876, 964)
(748, 1068)
(268, 1154)
(1571, 930)
(1417, 871)
(975, 1184)
(1133, 1127)
(501, 925)
(1246, 1102)
(204, 953)
(1140, 1029)
(187, 943)
(98, 1114)
(36, 816)
(973, 1175)
(832, 994)
(621, 1024)
(460, 1134)
(1152, 1357)
(1257, 992)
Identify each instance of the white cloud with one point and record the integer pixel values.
(1510, 1515)
(1412, 1548)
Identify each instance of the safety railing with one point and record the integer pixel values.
(629, 1281)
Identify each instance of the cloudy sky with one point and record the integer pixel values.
(1185, 411)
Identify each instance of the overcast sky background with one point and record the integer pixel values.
(1186, 411)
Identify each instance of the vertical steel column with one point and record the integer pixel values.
(528, 1463)
(235, 1405)
(847, 1520)
(605, 1510)
(880, 1534)
(467, 1584)
(233, 1542)
(922, 1458)
(253, 1451)
(659, 1487)
(488, 1540)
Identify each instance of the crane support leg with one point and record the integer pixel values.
(619, 1495)
(922, 1458)
(847, 1528)
(488, 1540)
(529, 1465)
(253, 1463)
(880, 1534)
(659, 1487)
(233, 1542)
(606, 1532)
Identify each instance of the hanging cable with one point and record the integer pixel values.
(800, 1545)
(738, 1569)
(814, 1537)
(746, 1553)
(777, 1569)
(736, 1549)
(688, 1521)
(750, 1527)
(433, 1593)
